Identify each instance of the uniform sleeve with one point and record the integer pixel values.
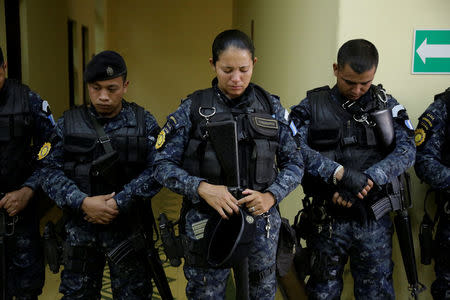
(43, 125)
(289, 158)
(316, 164)
(171, 143)
(430, 137)
(403, 155)
(145, 184)
(54, 182)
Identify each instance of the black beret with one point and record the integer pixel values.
(105, 65)
(230, 240)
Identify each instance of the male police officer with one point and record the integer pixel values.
(25, 123)
(433, 166)
(99, 171)
(350, 160)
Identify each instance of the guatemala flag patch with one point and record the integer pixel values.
(293, 128)
(409, 124)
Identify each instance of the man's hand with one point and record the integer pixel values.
(99, 209)
(343, 198)
(257, 202)
(16, 201)
(355, 182)
(219, 198)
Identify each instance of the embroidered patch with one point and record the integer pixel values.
(173, 120)
(419, 137)
(199, 228)
(293, 128)
(409, 124)
(161, 139)
(45, 150)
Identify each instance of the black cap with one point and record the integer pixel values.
(231, 239)
(105, 65)
(1, 57)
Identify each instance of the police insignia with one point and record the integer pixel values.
(109, 71)
(249, 219)
(161, 139)
(45, 150)
(419, 137)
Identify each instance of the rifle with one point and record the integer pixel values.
(223, 136)
(404, 234)
(141, 242)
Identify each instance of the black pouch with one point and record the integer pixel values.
(262, 126)
(106, 167)
(265, 160)
(324, 138)
(287, 245)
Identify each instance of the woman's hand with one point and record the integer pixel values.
(219, 198)
(256, 202)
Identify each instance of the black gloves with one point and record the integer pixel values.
(347, 195)
(353, 181)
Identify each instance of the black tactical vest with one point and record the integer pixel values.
(15, 135)
(257, 135)
(336, 134)
(82, 148)
(445, 96)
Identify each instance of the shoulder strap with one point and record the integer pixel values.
(200, 99)
(262, 94)
(140, 118)
(103, 138)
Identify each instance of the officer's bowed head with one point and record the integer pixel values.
(104, 66)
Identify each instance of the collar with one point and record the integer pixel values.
(126, 116)
(364, 104)
(236, 102)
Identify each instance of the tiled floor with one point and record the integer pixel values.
(166, 202)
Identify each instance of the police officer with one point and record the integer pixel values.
(432, 138)
(25, 124)
(350, 160)
(270, 167)
(98, 172)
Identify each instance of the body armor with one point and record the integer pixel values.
(343, 133)
(82, 148)
(15, 135)
(257, 136)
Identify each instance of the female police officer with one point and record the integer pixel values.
(190, 162)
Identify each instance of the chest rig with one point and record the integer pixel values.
(15, 135)
(346, 133)
(257, 136)
(94, 169)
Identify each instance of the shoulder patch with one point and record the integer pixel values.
(426, 121)
(45, 150)
(409, 125)
(419, 136)
(160, 140)
(293, 128)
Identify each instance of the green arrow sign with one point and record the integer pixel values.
(431, 53)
